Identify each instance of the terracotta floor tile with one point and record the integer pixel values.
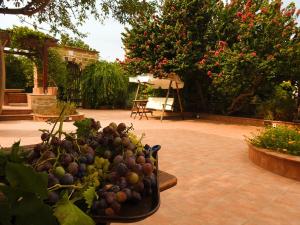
(217, 184)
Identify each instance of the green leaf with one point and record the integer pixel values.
(69, 214)
(25, 178)
(30, 210)
(15, 152)
(89, 196)
(3, 161)
(5, 213)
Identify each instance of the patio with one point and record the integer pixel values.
(217, 184)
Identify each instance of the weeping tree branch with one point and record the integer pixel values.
(28, 10)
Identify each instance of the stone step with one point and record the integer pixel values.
(18, 104)
(16, 117)
(15, 111)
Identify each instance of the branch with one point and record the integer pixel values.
(28, 10)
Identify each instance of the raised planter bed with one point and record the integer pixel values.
(279, 163)
(39, 117)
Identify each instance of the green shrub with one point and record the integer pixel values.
(19, 72)
(281, 105)
(280, 138)
(104, 84)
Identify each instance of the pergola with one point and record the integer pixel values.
(32, 46)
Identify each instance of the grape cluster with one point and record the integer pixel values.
(112, 160)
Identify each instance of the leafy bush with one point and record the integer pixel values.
(282, 105)
(280, 138)
(104, 84)
(19, 72)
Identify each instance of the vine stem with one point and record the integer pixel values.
(60, 186)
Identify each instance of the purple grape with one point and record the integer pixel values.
(55, 141)
(52, 180)
(82, 167)
(110, 197)
(68, 145)
(67, 179)
(122, 182)
(128, 192)
(121, 127)
(89, 159)
(122, 169)
(130, 162)
(66, 159)
(44, 167)
(45, 136)
(73, 168)
(48, 155)
(118, 159)
(53, 197)
(107, 154)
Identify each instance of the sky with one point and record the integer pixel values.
(105, 38)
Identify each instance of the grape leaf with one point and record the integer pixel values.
(69, 214)
(83, 127)
(3, 160)
(14, 155)
(30, 210)
(89, 196)
(25, 178)
(5, 213)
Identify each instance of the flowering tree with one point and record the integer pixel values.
(263, 51)
(170, 42)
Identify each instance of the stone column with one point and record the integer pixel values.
(2, 76)
(35, 80)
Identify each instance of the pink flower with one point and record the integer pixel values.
(241, 54)
(217, 53)
(217, 64)
(209, 73)
(253, 54)
(145, 33)
(239, 14)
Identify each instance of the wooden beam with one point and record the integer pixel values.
(179, 100)
(166, 101)
(45, 69)
(2, 75)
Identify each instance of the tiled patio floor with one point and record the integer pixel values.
(217, 185)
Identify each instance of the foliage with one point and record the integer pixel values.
(23, 191)
(57, 69)
(69, 14)
(282, 105)
(20, 37)
(19, 72)
(69, 214)
(170, 42)
(256, 48)
(280, 138)
(66, 40)
(104, 83)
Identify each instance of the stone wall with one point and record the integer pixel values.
(41, 104)
(77, 55)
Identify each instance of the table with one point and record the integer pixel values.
(139, 107)
(166, 181)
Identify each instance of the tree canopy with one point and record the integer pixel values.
(69, 14)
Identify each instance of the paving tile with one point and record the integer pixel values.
(217, 184)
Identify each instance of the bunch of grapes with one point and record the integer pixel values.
(112, 160)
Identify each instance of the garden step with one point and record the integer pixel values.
(16, 117)
(18, 104)
(16, 111)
